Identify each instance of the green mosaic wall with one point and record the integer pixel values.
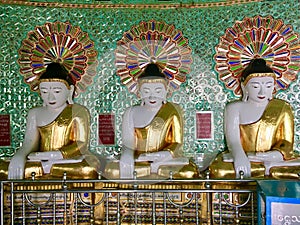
(105, 26)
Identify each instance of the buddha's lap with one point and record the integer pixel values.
(143, 169)
(225, 170)
(81, 170)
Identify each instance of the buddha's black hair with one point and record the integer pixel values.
(152, 70)
(57, 71)
(257, 65)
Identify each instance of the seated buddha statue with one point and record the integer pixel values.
(152, 134)
(259, 131)
(57, 133)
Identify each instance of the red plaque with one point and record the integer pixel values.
(204, 128)
(106, 129)
(4, 130)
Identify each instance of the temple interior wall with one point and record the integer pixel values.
(202, 26)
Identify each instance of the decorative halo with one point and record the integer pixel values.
(153, 42)
(258, 37)
(58, 42)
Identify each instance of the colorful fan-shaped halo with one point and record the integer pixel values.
(153, 42)
(258, 37)
(58, 42)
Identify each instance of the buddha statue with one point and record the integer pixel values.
(57, 133)
(259, 131)
(152, 134)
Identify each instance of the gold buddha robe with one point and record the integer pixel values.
(273, 131)
(69, 134)
(165, 132)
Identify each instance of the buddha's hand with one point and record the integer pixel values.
(16, 167)
(242, 164)
(44, 156)
(156, 156)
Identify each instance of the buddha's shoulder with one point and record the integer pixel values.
(78, 107)
(173, 105)
(79, 110)
(36, 110)
(280, 104)
(235, 105)
(134, 109)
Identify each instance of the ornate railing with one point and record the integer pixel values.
(197, 201)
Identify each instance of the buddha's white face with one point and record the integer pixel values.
(54, 94)
(260, 89)
(153, 94)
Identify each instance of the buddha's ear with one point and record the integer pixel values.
(72, 89)
(273, 92)
(71, 94)
(138, 93)
(245, 93)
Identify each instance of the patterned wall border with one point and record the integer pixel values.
(129, 6)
